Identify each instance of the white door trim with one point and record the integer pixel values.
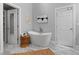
(19, 14)
(1, 28)
(74, 23)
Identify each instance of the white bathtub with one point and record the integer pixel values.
(40, 39)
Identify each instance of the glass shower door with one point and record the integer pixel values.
(12, 26)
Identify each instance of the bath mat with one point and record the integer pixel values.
(38, 52)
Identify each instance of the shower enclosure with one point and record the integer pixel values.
(10, 17)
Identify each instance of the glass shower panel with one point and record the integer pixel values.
(11, 23)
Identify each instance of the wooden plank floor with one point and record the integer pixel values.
(38, 52)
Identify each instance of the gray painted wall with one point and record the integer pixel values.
(49, 10)
(77, 23)
(26, 16)
(31, 11)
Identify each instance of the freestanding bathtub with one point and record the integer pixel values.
(40, 39)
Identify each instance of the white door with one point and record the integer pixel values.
(12, 26)
(65, 25)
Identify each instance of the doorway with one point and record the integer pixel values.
(65, 25)
(10, 24)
